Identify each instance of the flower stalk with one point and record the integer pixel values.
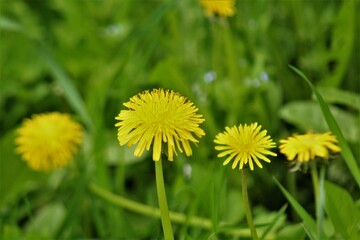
(247, 206)
(319, 194)
(315, 180)
(164, 211)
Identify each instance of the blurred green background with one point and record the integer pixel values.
(87, 57)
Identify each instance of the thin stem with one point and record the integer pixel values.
(146, 210)
(315, 180)
(164, 211)
(247, 206)
(291, 186)
(321, 199)
(318, 185)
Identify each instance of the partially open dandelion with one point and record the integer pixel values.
(225, 8)
(156, 118)
(48, 141)
(246, 144)
(306, 147)
(302, 150)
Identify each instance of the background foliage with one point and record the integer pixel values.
(87, 57)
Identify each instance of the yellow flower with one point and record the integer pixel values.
(246, 144)
(306, 147)
(224, 8)
(48, 141)
(159, 117)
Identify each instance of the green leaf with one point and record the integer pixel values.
(309, 222)
(8, 24)
(307, 116)
(339, 96)
(47, 220)
(342, 211)
(295, 231)
(345, 149)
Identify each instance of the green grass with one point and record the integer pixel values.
(88, 57)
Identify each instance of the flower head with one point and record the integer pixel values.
(48, 141)
(306, 147)
(159, 117)
(224, 8)
(246, 144)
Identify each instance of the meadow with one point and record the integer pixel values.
(291, 66)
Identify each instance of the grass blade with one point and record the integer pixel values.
(309, 222)
(65, 82)
(334, 128)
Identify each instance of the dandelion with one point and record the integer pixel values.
(306, 147)
(156, 118)
(160, 118)
(48, 141)
(246, 144)
(224, 8)
(303, 149)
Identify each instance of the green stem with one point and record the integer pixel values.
(146, 210)
(318, 185)
(315, 180)
(321, 200)
(291, 186)
(164, 211)
(247, 206)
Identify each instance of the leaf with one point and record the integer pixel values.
(234, 211)
(342, 211)
(8, 24)
(47, 220)
(307, 116)
(334, 127)
(295, 231)
(309, 222)
(339, 96)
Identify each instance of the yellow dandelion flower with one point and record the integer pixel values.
(246, 144)
(48, 141)
(306, 147)
(225, 8)
(159, 117)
